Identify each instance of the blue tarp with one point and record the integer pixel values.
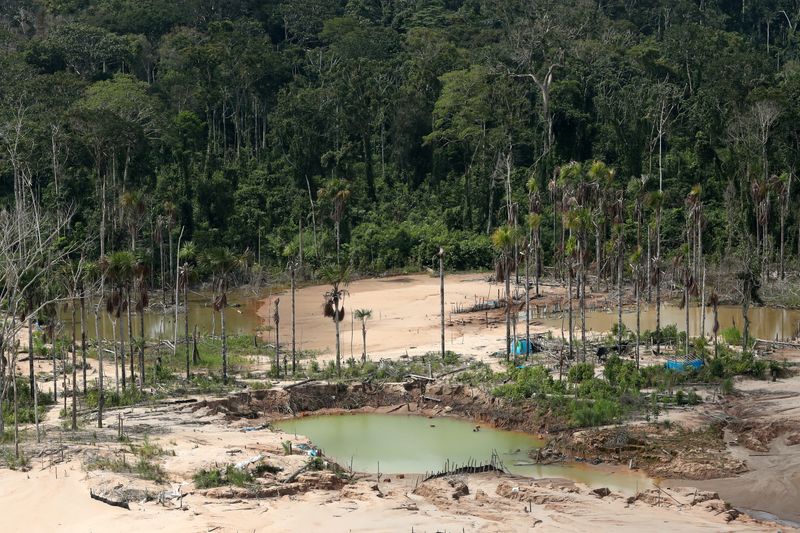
(521, 347)
(680, 366)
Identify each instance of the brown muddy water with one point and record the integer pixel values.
(241, 317)
(765, 322)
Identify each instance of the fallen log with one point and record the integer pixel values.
(107, 501)
(292, 385)
(294, 474)
(431, 399)
(452, 372)
(426, 378)
(247, 462)
(778, 343)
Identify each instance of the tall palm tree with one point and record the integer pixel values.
(363, 315)
(579, 221)
(293, 266)
(534, 222)
(133, 209)
(713, 299)
(534, 225)
(119, 269)
(141, 286)
(92, 274)
(170, 212)
(750, 283)
(187, 256)
(655, 202)
(635, 262)
(222, 262)
(760, 191)
(337, 191)
(504, 239)
(338, 277)
(277, 318)
(683, 263)
(440, 256)
(602, 178)
(783, 186)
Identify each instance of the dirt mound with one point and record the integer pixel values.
(532, 493)
(305, 482)
(661, 451)
(758, 436)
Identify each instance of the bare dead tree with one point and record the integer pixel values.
(28, 256)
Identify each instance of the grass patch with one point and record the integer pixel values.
(210, 478)
(13, 462)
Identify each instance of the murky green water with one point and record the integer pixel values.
(240, 318)
(415, 444)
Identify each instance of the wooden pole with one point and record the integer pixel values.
(292, 270)
(441, 295)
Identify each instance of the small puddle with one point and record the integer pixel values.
(415, 445)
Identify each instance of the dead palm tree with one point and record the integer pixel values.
(338, 278)
(363, 315)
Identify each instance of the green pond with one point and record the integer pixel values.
(415, 445)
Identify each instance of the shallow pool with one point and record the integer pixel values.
(395, 444)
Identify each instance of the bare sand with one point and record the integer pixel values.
(772, 484)
(54, 495)
(405, 317)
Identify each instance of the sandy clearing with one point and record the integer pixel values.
(773, 482)
(405, 317)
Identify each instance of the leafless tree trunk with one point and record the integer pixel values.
(74, 371)
(292, 271)
(441, 297)
(277, 319)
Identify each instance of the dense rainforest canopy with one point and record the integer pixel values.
(395, 127)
